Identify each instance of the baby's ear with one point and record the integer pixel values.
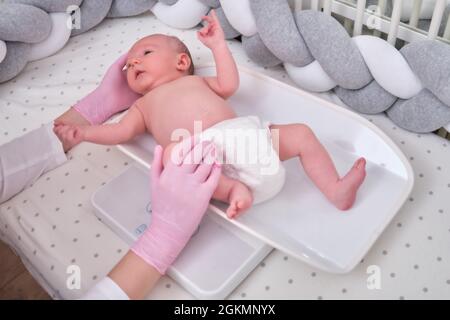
(184, 62)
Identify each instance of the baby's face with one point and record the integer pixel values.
(150, 61)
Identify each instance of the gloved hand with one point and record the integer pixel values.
(180, 196)
(112, 95)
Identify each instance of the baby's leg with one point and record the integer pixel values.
(298, 140)
(228, 190)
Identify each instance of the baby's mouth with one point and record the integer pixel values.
(138, 73)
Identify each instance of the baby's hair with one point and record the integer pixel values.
(182, 48)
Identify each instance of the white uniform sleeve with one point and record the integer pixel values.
(106, 289)
(25, 159)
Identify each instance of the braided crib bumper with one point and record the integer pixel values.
(367, 73)
(370, 76)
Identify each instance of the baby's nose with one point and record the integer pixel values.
(132, 62)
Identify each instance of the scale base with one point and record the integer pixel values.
(216, 259)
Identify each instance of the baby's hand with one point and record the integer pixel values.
(212, 34)
(69, 135)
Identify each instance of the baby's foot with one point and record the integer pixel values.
(240, 199)
(347, 187)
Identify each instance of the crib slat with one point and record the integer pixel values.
(436, 19)
(298, 5)
(382, 11)
(315, 5)
(327, 7)
(382, 6)
(447, 30)
(414, 19)
(360, 8)
(347, 10)
(395, 21)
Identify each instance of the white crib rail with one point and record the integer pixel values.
(356, 14)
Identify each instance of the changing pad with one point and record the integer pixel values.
(299, 220)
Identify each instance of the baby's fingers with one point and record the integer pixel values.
(206, 29)
(207, 18)
(59, 122)
(213, 15)
(75, 133)
(63, 134)
(59, 129)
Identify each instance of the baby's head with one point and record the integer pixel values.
(155, 60)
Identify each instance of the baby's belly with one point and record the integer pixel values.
(170, 125)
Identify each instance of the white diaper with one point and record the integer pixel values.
(246, 150)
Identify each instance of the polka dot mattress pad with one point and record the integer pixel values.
(52, 224)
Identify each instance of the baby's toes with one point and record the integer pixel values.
(232, 209)
(242, 206)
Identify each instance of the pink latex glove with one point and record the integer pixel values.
(180, 196)
(112, 95)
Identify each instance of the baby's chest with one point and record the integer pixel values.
(166, 117)
(183, 107)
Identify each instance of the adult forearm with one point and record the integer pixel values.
(134, 276)
(72, 117)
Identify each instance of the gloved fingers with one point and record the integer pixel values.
(195, 157)
(213, 179)
(121, 61)
(204, 168)
(181, 150)
(157, 164)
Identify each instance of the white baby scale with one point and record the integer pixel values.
(299, 220)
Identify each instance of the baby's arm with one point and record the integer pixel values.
(131, 125)
(226, 82)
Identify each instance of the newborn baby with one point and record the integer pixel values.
(160, 68)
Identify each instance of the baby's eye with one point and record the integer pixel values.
(146, 52)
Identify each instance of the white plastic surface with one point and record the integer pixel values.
(300, 221)
(216, 259)
(2, 50)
